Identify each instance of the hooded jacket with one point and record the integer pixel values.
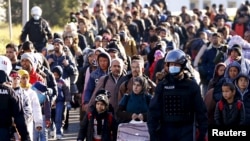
(244, 96)
(95, 76)
(216, 77)
(217, 94)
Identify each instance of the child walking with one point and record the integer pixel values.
(62, 100)
(98, 124)
(229, 110)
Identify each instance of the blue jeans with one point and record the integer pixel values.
(59, 116)
(41, 135)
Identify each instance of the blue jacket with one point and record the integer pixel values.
(67, 70)
(63, 91)
(207, 63)
(94, 77)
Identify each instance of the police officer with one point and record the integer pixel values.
(10, 105)
(37, 29)
(177, 106)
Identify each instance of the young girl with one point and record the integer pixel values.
(158, 55)
(229, 110)
(135, 105)
(98, 125)
(218, 74)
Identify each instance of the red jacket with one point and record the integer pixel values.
(34, 77)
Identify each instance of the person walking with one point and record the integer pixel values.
(177, 106)
(37, 29)
(10, 105)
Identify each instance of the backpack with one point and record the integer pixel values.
(221, 105)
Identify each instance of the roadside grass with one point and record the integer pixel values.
(16, 32)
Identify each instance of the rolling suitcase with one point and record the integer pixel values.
(133, 131)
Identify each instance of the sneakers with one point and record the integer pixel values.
(52, 134)
(58, 137)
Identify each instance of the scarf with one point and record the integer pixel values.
(99, 117)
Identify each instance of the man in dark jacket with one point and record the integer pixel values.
(37, 29)
(10, 105)
(177, 105)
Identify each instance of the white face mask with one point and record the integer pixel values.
(36, 17)
(174, 69)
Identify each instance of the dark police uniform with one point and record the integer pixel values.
(10, 106)
(177, 106)
(38, 32)
(173, 109)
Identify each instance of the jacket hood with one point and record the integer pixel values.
(233, 64)
(215, 75)
(236, 82)
(104, 55)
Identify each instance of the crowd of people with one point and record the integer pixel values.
(178, 73)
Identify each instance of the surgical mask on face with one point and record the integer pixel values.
(174, 69)
(36, 17)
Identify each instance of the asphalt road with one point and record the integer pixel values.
(72, 132)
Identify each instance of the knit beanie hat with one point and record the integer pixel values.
(237, 48)
(104, 98)
(58, 40)
(30, 57)
(14, 74)
(22, 72)
(104, 92)
(58, 70)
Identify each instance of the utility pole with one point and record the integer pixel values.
(25, 11)
(10, 19)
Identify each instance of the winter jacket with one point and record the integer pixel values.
(184, 88)
(94, 76)
(217, 94)
(109, 85)
(108, 131)
(11, 107)
(133, 103)
(36, 108)
(229, 114)
(63, 91)
(206, 69)
(244, 96)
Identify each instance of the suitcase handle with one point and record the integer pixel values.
(136, 122)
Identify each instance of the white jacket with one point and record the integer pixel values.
(36, 108)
